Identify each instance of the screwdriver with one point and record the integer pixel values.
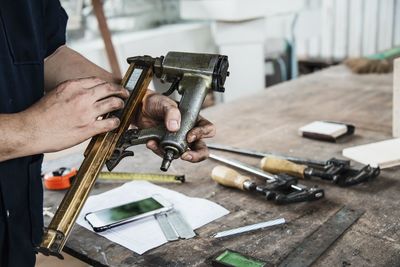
(230, 178)
(281, 188)
(277, 165)
(242, 166)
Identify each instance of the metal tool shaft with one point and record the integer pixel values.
(250, 169)
(249, 228)
(259, 154)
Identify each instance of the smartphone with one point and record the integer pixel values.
(105, 219)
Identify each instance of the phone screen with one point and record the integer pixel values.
(129, 210)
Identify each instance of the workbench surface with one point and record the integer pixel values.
(269, 122)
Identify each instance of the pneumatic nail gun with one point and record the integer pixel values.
(192, 75)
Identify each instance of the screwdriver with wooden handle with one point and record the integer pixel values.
(280, 191)
(277, 165)
(230, 178)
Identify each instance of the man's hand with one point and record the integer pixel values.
(158, 109)
(70, 113)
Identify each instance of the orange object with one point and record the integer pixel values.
(59, 179)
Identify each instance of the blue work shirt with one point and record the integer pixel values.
(30, 30)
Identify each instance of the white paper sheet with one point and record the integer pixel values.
(146, 234)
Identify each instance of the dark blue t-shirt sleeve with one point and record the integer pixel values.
(55, 23)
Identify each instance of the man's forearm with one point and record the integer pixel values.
(66, 64)
(17, 137)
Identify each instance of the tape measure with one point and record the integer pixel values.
(59, 179)
(151, 177)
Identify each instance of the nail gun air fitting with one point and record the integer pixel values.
(281, 189)
(338, 171)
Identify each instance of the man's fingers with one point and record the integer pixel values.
(107, 105)
(172, 118)
(163, 108)
(153, 146)
(104, 90)
(203, 129)
(106, 125)
(171, 114)
(199, 152)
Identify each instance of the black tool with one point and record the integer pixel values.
(337, 171)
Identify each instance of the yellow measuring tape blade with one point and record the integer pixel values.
(151, 177)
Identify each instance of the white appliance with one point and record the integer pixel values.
(239, 29)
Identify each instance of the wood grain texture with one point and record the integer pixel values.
(269, 121)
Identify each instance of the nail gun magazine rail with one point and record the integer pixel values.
(136, 80)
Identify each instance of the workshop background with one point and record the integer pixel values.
(267, 41)
(273, 41)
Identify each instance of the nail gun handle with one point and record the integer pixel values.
(228, 177)
(276, 165)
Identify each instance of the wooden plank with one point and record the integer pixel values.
(385, 27)
(356, 18)
(370, 28)
(341, 29)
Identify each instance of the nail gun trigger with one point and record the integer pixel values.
(174, 86)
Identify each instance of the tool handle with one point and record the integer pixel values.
(229, 177)
(277, 165)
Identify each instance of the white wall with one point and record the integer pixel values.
(350, 28)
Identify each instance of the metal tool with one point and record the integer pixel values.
(320, 240)
(342, 176)
(151, 177)
(174, 226)
(59, 179)
(193, 75)
(249, 228)
(337, 171)
(166, 227)
(180, 225)
(282, 188)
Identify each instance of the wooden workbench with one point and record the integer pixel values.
(269, 122)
